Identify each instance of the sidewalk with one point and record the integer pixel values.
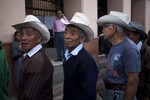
(51, 52)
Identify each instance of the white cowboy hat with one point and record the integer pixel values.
(117, 18)
(32, 21)
(81, 20)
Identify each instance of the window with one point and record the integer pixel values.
(43, 7)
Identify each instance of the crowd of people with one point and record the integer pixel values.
(127, 69)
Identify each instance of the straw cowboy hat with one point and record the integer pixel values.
(32, 21)
(80, 20)
(139, 28)
(115, 17)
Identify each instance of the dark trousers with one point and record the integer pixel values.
(59, 44)
(140, 94)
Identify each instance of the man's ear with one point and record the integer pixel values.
(82, 39)
(138, 36)
(39, 39)
(114, 28)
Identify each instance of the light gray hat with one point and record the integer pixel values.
(115, 17)
(139, 28)
(81, 20)
(32, 21)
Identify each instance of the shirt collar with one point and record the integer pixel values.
(139, 45)
(75, 51)
(33, 50)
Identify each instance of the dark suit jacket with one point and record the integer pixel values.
(36, 78)
(144, 76)
(80, 77)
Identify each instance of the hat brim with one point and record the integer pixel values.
(88, 31)
(143, 35)
(38, 26)
(109, 19)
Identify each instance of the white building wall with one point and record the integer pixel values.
(127, 8)
(88, 7)
(120, 5)
(11, 12)
(147, 16)
(71, 6)
(114, 5)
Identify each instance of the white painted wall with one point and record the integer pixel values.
(127, 8)
(120, 5)
(114, 5)
(138, 11)
(147, 16)
(71, 6)
(11, 12)
(88, 7)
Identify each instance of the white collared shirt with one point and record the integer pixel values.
(33, 50)
(74, 52)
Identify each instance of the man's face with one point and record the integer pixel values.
(108, 31)
(133, 36)
(29, 38)
(18, 36)
(72, 38)
(59, 14)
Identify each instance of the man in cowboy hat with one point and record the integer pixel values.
(37, 70)
(123, 63)
(138, 36)
(80, 69)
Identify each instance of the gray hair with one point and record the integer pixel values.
(37, 33)
(81, 32)
(121, 29)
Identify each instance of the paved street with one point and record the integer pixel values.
(58, 74)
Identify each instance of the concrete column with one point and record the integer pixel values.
(84, 6)
(138, 11)
(147, 16)
(89, 7)
(120, 5)
(126, 8)
(71, 6)
(114, 5)
(11, 12)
